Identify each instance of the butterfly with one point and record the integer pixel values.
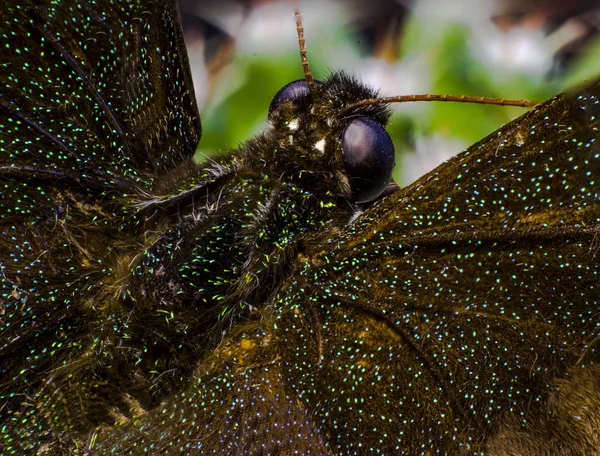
(284, 297)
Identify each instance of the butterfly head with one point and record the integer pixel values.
(354, 147)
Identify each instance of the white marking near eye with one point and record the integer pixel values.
(293, 124)
(320, 145)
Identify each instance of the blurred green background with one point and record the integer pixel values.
(242, 52)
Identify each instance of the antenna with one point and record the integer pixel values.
(448, 98)
(401, 98)
(304, 56)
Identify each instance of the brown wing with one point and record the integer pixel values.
(95, 101)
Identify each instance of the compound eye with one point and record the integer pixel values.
(290, 92)
(369, 158)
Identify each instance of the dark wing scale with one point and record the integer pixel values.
(95, 100)
(450, 307)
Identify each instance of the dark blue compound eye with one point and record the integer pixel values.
(290, 92)
(369, 158)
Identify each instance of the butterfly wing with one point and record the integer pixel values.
(448, 309)
(104, 88)
(96, 101)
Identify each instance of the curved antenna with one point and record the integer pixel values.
(304, 56)
(449, 98)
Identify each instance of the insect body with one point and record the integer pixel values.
(245, 305)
